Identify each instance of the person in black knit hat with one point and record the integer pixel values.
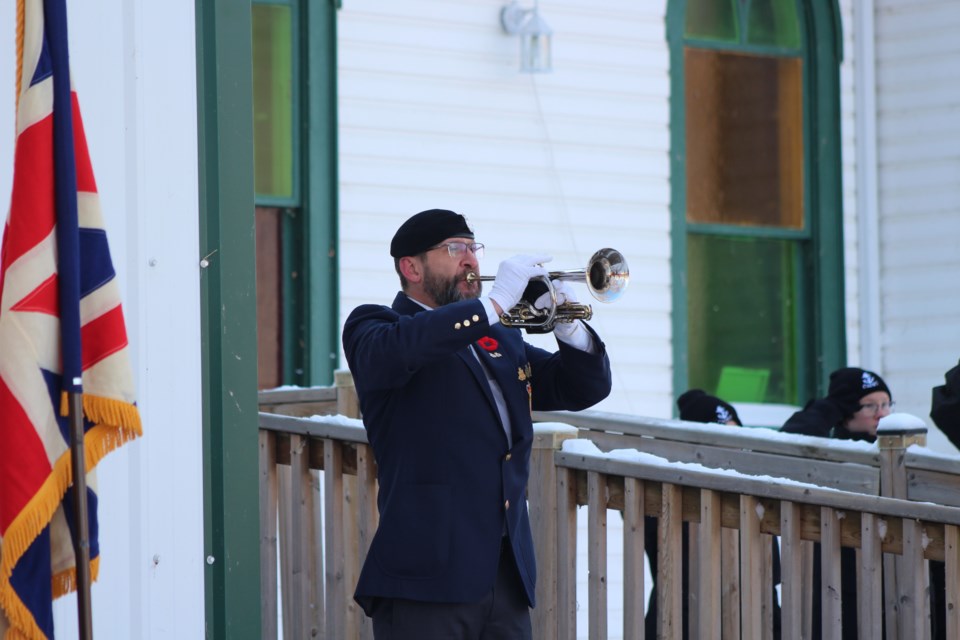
(856, 401)
(696, 405)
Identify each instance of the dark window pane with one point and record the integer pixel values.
(711, 20)
(774, 22)
(742, 312)
(744, 139)
(273, 100)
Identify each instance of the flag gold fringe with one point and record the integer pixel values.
(100, 410)
(66, 581)
(20, 17)
(116, 423)
(19, 536)
(116, 413)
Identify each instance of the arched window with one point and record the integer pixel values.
(757, 249)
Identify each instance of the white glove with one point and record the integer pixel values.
(572, 333)
(564, 293)
(513, 275)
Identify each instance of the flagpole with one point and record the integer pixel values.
(81, 536)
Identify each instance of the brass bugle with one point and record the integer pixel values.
(606, 277)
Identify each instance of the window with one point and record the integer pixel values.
(295, 180)
(757, 264)
(275, 98)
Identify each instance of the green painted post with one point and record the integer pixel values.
(228, 319)
(678, 198)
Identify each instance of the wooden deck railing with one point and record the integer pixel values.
(318, 513)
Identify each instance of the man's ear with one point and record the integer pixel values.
(411, 269)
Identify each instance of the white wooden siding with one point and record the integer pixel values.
(918, 129)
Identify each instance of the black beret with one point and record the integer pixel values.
(697, 406)
(427, 229)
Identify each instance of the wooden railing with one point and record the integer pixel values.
(318, 497)
(317, 512)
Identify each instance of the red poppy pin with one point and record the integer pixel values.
(487, 343)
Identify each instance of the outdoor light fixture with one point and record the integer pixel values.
(534, 34)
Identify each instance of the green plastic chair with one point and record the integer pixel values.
(739, 384)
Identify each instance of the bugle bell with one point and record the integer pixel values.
(606, 277)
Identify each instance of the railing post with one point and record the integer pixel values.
(751, 552)
(709, 583)
(951, 545)
(893, 444)
(597, 554)
(268, 535)
(548, 437)
(893, 484)
(670, 563)
(334, 543)
(347, 402)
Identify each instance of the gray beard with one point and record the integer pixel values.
(446, 292)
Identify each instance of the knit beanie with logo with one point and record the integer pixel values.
(697, 406)
(850, 384)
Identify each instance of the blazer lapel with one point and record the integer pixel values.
(480, 376)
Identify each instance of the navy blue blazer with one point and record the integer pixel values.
(450, 483)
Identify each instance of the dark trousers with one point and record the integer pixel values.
(502, 614)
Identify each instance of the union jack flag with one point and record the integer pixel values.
(61, 330)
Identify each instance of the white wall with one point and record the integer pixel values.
(133, 66)
(918, 127)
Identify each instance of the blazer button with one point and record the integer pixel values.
(506, 505)
(507, 457)
(466, 323)
(476, 318)
(456, 326)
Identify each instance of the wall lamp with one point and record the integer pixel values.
(534, 34)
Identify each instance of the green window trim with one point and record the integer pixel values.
(321, 192)
(822, 229)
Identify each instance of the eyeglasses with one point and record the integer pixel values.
(873, 408)
(459, 249)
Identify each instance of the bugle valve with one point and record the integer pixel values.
(606, 277)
